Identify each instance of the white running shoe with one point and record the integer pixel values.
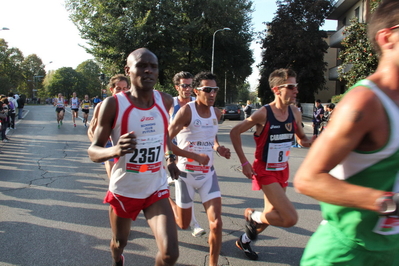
(197, 231)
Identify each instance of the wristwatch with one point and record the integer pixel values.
(170, 156)
(386, 203)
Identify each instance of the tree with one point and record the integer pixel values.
(357, 55)
(90, 71)
(11, 59)
(294, 40)
(179, 32)
(67, 80)
(33, 73)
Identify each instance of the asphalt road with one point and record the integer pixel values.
(51, 210)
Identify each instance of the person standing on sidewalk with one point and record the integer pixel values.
(21, 105)
(276, 125)
(137, 122)
(357, 179)
(318, 113)
(184, 87)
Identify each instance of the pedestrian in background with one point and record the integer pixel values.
(21, 105)
(318, 112)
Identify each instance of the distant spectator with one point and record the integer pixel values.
(21, 104)
(248, 109)
(4, 118)
(13, 105)
(327, 116)
(96, 101)
(318, 113)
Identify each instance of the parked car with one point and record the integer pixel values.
(231, 112)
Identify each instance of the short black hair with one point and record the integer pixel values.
(204, 75)
(318, 101)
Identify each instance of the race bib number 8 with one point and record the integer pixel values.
(147, 157)
(277, 156)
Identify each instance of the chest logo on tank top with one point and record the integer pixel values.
(288, 126)
(197, 123)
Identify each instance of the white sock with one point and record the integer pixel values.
(245, 239)
(256, 217)
(193, 222)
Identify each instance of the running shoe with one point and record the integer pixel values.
(74, 125)
(59, 126)
(61, 122)
(250, 225)
(247, 249)
(121, 262)
(197, 231)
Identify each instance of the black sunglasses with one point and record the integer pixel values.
(289, 86)
(208, 89)
(185, 86)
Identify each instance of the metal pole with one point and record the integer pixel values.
(225, 90)
(213, 46)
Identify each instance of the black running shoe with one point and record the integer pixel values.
(247, 249)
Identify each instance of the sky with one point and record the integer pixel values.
(42, 27)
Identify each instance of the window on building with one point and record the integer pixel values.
(357, 13)
(344, 21)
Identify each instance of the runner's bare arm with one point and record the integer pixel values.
(259, 119)
(126, 143)
(350, 127)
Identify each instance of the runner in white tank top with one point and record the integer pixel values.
(196, 126)
(74, 102)
(137, 123)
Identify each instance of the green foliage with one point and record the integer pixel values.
(10, 68)
(66, 80)
(90, 71)
(294, 40)
(358, 57)
(179, 32)
(336, 98)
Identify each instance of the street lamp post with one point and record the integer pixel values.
(213, 46)
(36, 77)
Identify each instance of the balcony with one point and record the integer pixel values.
(333, 72)
(340, 8)
(336, 38)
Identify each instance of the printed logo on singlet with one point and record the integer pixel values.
(285, 136)
(146, 118)
(205, 147)
(274, 126)
(197, 123)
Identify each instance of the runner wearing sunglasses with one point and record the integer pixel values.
(195, 127)
(183, 82)
(276, 124)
